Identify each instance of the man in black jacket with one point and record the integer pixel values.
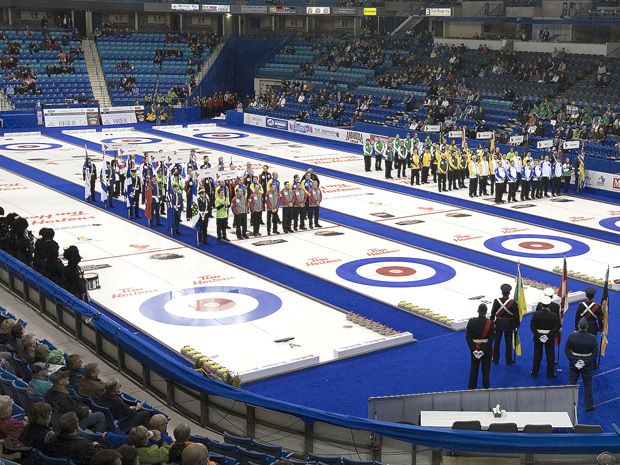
(479, 336)
(505, 316)
(581, 349)
(67, 443)
(544, 325)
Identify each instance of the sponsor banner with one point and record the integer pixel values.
(516, 140)
(22, 134)
(438, 11)
(455, 134)
(199, 126)
(601, 180)
(368, 11)
(432, 128)
(254, 9)
(254, 120)
(59, 117)
(300, 128)
(484, 135)
(79, 131)
(184, 7)
(286, 10)
(122, 115)
(571, 144)
(344, 11)
(318, 10)
(216, 8)
(544, 144)
(354, 137)
(276, 123)
(174, 126)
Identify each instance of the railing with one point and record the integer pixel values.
(299, 429)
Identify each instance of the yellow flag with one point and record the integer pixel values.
(519, 298)
(582, 175)
(492, 148)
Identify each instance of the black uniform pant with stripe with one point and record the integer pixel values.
(474, 369)
(549, 353)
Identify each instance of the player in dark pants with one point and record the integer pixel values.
(545, 324)
(505, 316)
(479, 336)
(581, 349)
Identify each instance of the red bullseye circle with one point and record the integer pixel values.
(394, 271)
(212, 305)
(536, 245)
(28, 146)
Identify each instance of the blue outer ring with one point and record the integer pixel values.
(209, 135)
(496, 245)
(348, 271)
(153, 308)
(51, 146)
(119, 140)
(610, 223)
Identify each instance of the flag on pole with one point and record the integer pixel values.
(128, 186)
(519, 298)
(492, 147)
(464, 140)
(103, 175)
(605, 310)
(563, 294)
(86, 174)
(170, 210)
(148, 198)
(582, 175)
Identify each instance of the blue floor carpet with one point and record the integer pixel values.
(346, 385)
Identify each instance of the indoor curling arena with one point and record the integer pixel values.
(317, 273)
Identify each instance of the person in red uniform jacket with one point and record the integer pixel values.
(256, 209)
(314, 200)
(299, 198)
(272, 205)
(239, 206)
(288, 204)
(505, 316)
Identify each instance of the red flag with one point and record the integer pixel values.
(563, 294)
(148, 195)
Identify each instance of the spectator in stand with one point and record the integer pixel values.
(127, 416)
(129, 455)
(196, 454)
(74, 369)
(40, 383)
(68, 443)
(63, 402)
(9, 427)
(181, 440)
(38, 427)
(90, 384)
(156, 453)
(106, 457)
(159, 423)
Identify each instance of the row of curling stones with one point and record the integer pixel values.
(582, 276)
(424, 312)
(370, 324)
(209, 367)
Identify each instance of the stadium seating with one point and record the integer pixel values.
(139, 51)
(55, 88)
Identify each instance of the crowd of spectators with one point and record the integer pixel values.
(216, 104)
(42, 253)
(109, 29)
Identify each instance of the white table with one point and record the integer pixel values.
(444, 419)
